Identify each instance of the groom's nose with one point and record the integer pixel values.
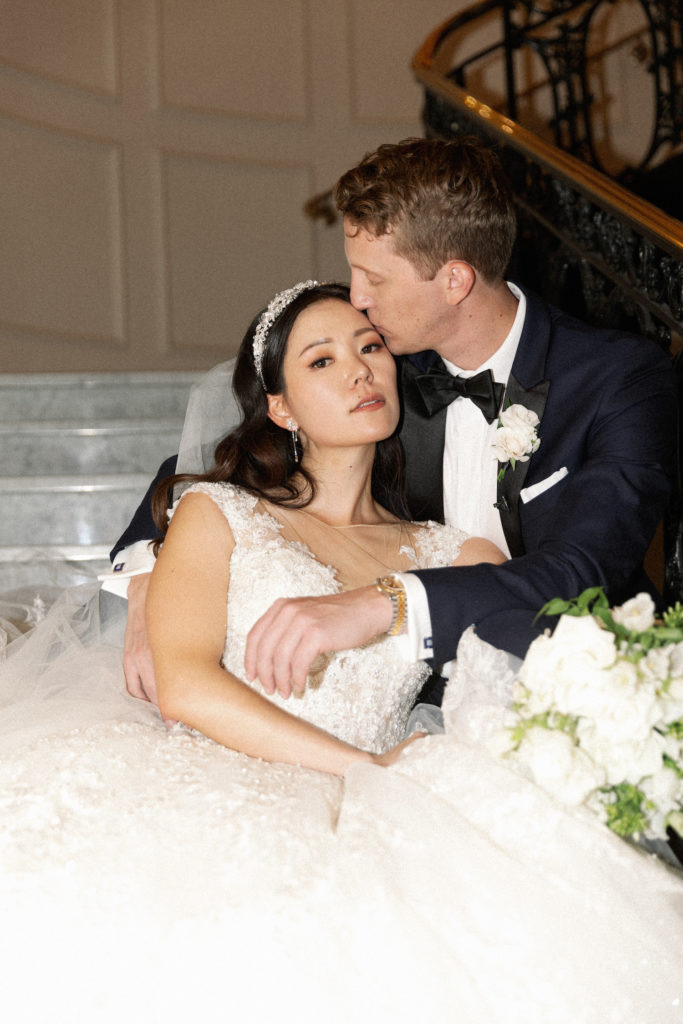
(359, 295)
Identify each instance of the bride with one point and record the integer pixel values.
(318, 389)
(297, 856)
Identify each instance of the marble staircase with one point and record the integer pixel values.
(78, 452)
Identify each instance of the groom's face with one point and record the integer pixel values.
(409, 312)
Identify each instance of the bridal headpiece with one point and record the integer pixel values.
(268, 318)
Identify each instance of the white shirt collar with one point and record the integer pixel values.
(500, 363)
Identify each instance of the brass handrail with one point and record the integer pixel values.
(653, 222)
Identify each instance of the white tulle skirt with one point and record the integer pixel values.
(149, 875)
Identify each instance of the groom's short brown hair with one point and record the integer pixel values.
(440, 199)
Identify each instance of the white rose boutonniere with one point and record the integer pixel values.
(516, 439)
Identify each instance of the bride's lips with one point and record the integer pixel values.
(370, 402)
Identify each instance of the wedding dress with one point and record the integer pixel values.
(149, 875)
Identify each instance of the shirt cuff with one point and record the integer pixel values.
(131, 561)
(418, 640)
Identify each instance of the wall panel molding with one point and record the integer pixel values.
(158, 155)
(73, 42)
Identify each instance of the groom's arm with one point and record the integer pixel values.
(142, 526)
(132, 565)
(592, 529)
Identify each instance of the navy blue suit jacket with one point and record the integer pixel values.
(607, 406)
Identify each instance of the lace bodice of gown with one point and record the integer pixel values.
(362, 695)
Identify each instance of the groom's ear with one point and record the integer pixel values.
(278, 410)
(459, 278)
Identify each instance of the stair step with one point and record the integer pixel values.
(115, 396)
(67, 447)
(68, 509)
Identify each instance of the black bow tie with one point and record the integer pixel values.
(439, 388)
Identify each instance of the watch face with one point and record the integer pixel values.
(387, 583)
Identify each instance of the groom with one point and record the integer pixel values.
(429, 227)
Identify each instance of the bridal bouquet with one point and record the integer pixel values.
(598, 712)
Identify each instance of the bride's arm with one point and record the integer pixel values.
(186, 622)
(477, 549)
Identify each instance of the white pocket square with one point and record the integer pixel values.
(529, 493)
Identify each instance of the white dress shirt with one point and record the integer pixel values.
(470, 473)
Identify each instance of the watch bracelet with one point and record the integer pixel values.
(395, 591)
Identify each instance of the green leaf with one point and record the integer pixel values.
(627, 811)
(586, 603)
(670, 763)
(675, 729)
(673, 616)
(555, 607)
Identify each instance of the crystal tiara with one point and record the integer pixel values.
(268, 318)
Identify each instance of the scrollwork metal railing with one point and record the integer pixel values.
(586, 242)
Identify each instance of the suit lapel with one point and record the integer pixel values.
(509, 487)
(526, 386)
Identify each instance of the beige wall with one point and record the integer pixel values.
(155, 156)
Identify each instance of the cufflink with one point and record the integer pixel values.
(119, 566)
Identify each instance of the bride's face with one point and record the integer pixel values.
(340, 378)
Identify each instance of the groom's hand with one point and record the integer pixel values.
(138, 667)
(284, 643)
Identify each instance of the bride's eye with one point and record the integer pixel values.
(318, 364)
(372, 346)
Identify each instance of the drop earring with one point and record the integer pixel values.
(292, 428)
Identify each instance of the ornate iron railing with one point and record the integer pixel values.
(586, 242)
(560, 33)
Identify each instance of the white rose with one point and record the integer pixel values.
(620, 712)
(637, 614)
(565, 671)
(663, 787)
(622, 760)
(511, 444)
(516, 437)
(676, 660)
(656, 664)
(671, 705)
(583, 633)
(674, 748)
(519, 418)
(552, 760)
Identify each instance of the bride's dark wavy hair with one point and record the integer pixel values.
(257, 455)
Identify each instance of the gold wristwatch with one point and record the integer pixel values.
(393, 588)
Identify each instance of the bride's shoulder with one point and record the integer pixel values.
(237, 505)
(435, 544)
